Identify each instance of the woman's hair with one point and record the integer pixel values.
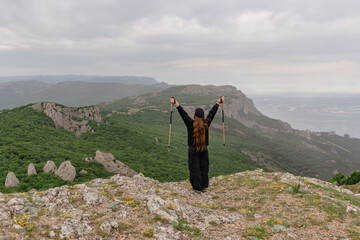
(199, 133)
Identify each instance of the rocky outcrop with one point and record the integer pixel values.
(112, 165)
(241, 108)
(70, 119)
(237, 206)
(11, 180)
(31, 170)
(66, 171)
(50, 167)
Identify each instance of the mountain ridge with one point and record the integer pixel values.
(84, 78)
(70, 93)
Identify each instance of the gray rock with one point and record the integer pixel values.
(156, 205)
(33, 191)
(4, 215)
(106, 227)
(64, 116)
(114, 224)
(351, 209)
(83, 171)
(16, 201)
(112, 165)
(11, 180)
(2, 236)
(66, 171)
(31, 170)
(16, 204)
(50, 167)
(92, 198)
(73, 228)
(18, 227)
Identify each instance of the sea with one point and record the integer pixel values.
(336, 113)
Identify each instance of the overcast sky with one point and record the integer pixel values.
(258, 46)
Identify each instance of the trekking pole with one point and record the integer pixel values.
(171, 111)
(223, 118)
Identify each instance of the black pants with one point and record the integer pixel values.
(199, 168)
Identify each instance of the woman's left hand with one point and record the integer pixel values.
(172, 100)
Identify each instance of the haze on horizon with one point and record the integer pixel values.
(257, 46)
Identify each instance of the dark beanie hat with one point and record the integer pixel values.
(199, 112)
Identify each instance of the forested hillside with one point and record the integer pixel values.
(28, 136)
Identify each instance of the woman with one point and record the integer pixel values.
(198, 139)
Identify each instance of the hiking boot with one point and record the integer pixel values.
(197, 191)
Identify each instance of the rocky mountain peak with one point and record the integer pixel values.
(246, 205)
(239, 107)
(70, 119)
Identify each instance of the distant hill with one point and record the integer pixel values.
(74, 93)
(82, 78)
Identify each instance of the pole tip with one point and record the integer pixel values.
(168, 148)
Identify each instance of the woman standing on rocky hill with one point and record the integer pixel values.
(198, 140)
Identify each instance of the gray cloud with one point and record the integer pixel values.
(255, 45)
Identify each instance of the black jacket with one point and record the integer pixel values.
(189, 122)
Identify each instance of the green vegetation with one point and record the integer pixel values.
(296, 188)
(341, 179)
(182, 224)
(28, 136)
(140, 141)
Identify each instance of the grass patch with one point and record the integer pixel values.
(295, 188)
(343, 196)
(161, 219)
(334, 209)
(353, 234)
(257, 232)
(182, 224)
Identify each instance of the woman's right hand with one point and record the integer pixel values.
(221, 99)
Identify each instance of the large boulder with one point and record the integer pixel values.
(31, 170)
(112, 165)
(50, 167)
(66, 171)
(11, 180)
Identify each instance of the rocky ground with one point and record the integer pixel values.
(247, 205)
